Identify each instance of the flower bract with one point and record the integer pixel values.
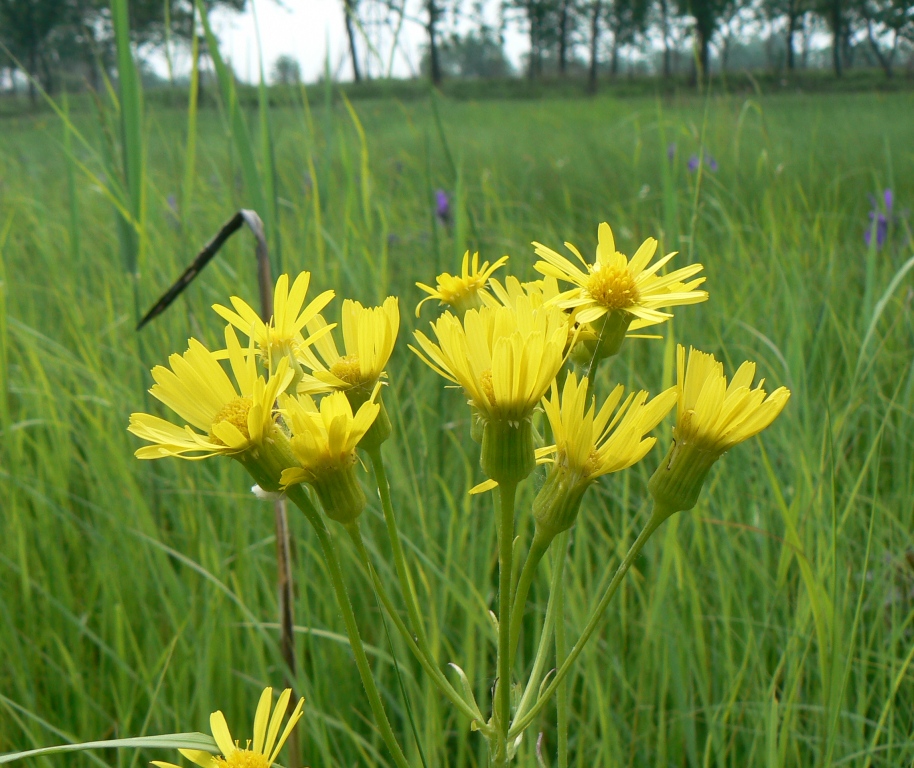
(231, 419)
(464, 291)
(265, 748)
(615, 284)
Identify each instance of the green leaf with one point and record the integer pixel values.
(166, 741)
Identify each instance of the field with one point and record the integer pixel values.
(771, 626)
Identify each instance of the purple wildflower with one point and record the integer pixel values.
(671, 151)
(710, 163)
(442, 206)
(879, 220)
(693, 163)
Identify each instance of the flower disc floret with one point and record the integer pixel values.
(505, 358)
(369, 336)
(613, 283)
(233, 419)
(465, 291)
(265, 748)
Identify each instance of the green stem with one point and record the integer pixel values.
(537, 549)
(505, 519)
(657, 517)
(561, 696)
(424, 660)
(542, 650)
(406, 586)
(300, 498)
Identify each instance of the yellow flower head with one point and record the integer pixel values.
(369, 335)
(505, 358)
(613, 283)
(468, 291)
(264, 750)
(590, 443)
(282, 336)
(232, 420)
(324, 438)
(538, 291)
(713, 416)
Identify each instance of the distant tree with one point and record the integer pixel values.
(286, 70)
(567, 19)
(595, 12)
(888, 23)
(350, 9)
(706, 16)
(626, 20)
(28, 29)
(542, 20)
(477, 54)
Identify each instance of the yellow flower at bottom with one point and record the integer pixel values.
(233, 420)
(264, 750)
(463, 292)
(711, 418)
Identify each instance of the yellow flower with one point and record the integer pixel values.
(539, 291)
(468, 291)
(324, 440)
(613, 283)
(369, 335)
(232, 420)
(505, 358)
(590, 444)
(264, 750)
(713, 416)
(282, 336)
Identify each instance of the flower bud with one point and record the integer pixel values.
(507, 450)
(676, 484)
(556, 506)
(340, 493)
(266, 462)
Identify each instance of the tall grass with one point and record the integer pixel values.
(771, 626)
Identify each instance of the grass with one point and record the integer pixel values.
(772, 626)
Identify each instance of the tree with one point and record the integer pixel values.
(625, 19)
(706, 15)
(596, 10)
(477, 54)
(286, 70)
(350, 8)
(887, 22)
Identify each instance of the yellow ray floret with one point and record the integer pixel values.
(505, 358)
(369, 336)
(264, 750)
(282, 336)
(466, 291)
(590, 443)
(324, 438)
(232, 419)
(714, 416)
(613, 283)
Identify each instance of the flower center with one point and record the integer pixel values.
(592, 465)
(612, 287)
(457, 290)
(243, 758)
(347, 368)
(485, 382)
(235, 412)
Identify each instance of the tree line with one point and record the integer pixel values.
(565, 35)
(53, 39)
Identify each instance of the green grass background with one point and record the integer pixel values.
(771, 626)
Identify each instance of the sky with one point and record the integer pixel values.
(309, 30)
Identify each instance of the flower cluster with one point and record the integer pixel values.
(268, 418)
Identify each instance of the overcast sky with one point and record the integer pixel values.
(309, 30)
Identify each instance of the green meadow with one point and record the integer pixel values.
(771, 626)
